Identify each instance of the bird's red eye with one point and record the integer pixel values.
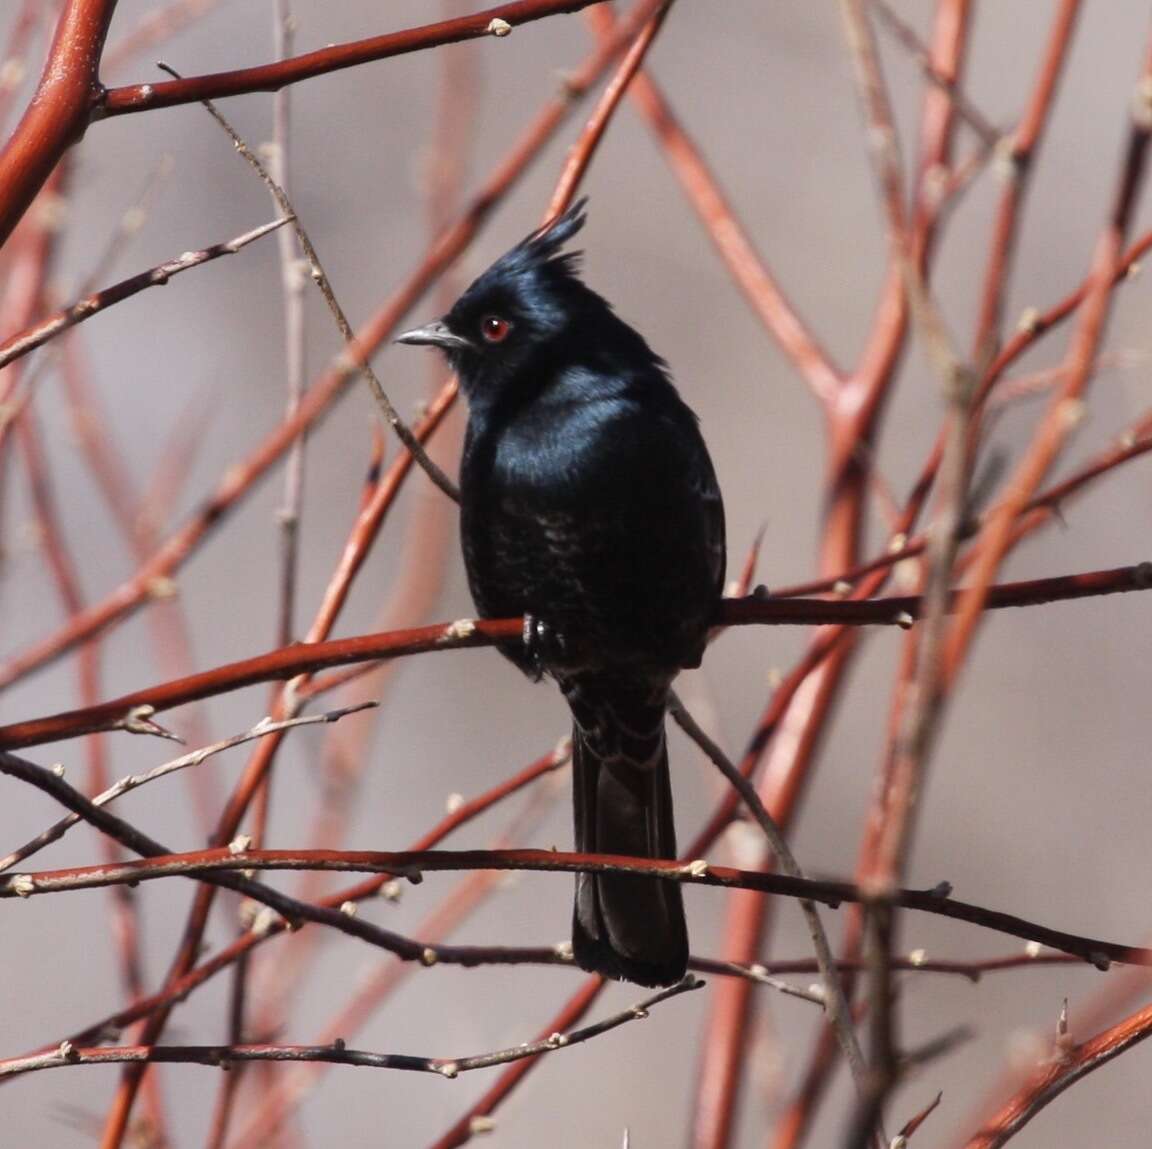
(494, 329)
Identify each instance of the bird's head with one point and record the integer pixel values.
(515, 310)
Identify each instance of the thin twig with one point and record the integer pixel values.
(358, 361)
(194, 758)
(904, 34)
(223, 1056)
(839, 1011)
(22, 343)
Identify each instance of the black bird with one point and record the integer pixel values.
(590, 506)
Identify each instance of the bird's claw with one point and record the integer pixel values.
(543, 644)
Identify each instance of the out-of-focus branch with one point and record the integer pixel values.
(922, 54)
(1068, 1066)
(155, 26)
(589, 140)
(13, 55)
(839, 1011)
(1133, 443)
(1065, 408)
(293, 283)
(320, 277)
(732, 242)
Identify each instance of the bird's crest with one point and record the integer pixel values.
(542, 249)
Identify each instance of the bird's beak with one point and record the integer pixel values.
(434, 334)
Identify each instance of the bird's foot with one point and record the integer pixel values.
(543, 644)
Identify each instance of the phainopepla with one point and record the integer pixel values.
(590, 506)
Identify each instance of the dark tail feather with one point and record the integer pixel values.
(623, 926)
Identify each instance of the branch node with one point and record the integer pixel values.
(877, 888)
(23, 885)
(138, 720)
(498, 27)
(461, 628)
(1142, 104)
(1029, 321)
(1062, 1020)
(162, 587)
(1073, 412)
(264, 921)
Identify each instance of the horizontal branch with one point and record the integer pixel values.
(414, 864)
(903, 610)
(498, 21)
(292, 911)
(24, 342)
(225, 1056)
(307, 658)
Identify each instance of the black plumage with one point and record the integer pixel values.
(590, 505)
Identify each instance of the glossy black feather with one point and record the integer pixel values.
(589, 502)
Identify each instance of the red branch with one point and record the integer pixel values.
(58, 115)
(272, 77)
(307, 657)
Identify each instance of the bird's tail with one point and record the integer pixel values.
(625, 926)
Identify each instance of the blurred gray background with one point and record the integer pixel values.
(1038, 801)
